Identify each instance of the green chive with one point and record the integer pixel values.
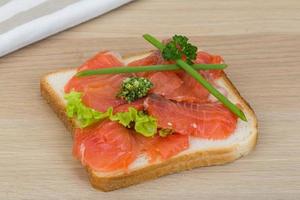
(232, 107)
(136, 69)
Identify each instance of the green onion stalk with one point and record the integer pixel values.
(136, 69)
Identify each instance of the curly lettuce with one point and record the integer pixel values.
(85, 115)
(140, 121)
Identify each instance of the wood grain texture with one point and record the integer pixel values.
(259, 40)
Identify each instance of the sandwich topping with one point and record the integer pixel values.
(153, 112)
(134, 88)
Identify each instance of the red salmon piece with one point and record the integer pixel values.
(206, 120)
(101, 98)
(165, 83)
(138, 104)
(191, 91)
(102, 59)
(153, 59)
(163, 147)
(107, 146)
(80, 83)
(99, 92)
(205, 58)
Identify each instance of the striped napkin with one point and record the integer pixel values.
(23, 22)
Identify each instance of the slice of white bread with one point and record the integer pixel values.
(202, 152)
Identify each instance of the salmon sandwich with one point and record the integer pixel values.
(140, 117)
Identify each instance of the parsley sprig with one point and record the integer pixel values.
(178, 48)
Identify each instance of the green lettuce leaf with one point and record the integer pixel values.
(142, 123)
(85, 115)
(146, 125)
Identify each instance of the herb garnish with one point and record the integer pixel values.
(178, 48)
(134, 88)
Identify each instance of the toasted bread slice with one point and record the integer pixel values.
(202, 152)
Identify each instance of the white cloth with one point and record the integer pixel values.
(23, 22)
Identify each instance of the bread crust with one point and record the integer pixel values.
(209, 157)
(54, 101)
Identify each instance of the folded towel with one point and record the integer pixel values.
(23, 22)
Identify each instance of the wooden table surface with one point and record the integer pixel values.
(260, 40)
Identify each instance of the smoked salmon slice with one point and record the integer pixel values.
(138, 105)
(102, 59)
(163, 147)
(205, 120)
(164, 83)
(206, 58)
(101, 98)
(191, 91)
(99, 92)
(153, 59)
(106, 146)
